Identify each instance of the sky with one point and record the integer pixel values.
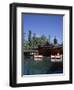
(44, 25)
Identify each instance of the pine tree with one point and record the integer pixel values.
(29, 37)
(34, 40)
(55, 41)
(49, 39)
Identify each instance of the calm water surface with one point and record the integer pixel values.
(31, 67)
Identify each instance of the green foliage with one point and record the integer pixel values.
(55, 41)
(34, 41)
(29, 37)
(26, 45)
(49, 39)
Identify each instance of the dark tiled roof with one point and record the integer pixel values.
(52, 46)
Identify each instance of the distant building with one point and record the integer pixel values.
(50, 49)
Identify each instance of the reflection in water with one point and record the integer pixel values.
(45, 66)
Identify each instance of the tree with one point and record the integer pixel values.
(29, 37)
(26, 45)
(55, 41)
(43, 39)
(34, 41)
(49, 39)
(34, 36)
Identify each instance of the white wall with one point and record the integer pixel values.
(4, 43)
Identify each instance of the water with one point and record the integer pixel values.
(31, 67)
